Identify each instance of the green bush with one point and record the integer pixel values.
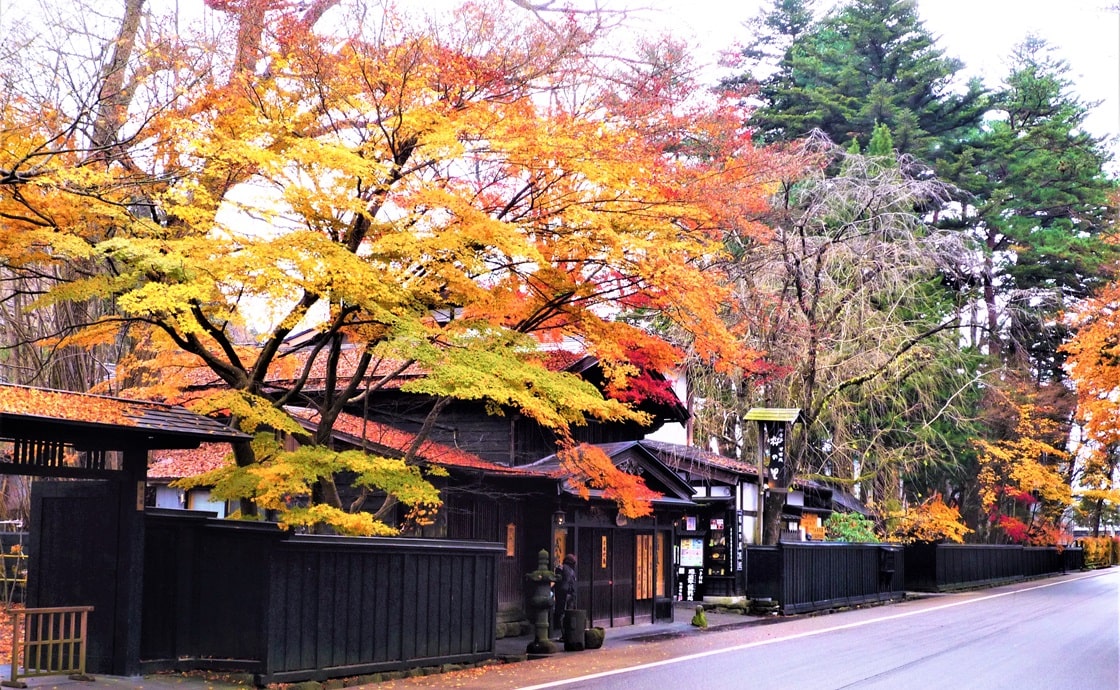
(851, 527)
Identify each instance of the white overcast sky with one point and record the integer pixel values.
(982, 33)
(1086, 33)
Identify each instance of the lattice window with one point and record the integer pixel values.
(41, 453)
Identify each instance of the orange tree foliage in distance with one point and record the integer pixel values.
(1094, 365)
(930, 521)
(449, 194)
(1022, 489)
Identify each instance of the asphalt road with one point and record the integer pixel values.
(1046, 634)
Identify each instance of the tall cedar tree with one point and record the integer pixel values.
(1038, 206)
(868, 62)
(911, 423)
(443, 197)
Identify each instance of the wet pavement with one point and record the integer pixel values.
(507, 650)
(511, 648)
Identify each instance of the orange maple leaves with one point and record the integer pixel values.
(933, 520)
(76, 407)
(588, 468)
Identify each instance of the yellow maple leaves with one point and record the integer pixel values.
(1018, 473)
(452, 198)
(932, 520)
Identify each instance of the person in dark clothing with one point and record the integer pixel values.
(564, 592)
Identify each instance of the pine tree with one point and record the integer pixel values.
(1038, 205)
(869, 62)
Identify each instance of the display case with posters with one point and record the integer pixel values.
(690, 560)
(719, 579)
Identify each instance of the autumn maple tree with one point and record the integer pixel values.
(932, 520)
(1022, 486)
(1094, 364)
(447, 196)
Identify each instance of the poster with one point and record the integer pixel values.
(692, 552)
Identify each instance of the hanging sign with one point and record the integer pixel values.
(775, 446)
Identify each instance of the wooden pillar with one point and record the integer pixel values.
(130, 564)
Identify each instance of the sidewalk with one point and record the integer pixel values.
(100, 682)
(512, 649)
(508, 649)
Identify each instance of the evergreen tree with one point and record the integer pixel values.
(869, 62)
(1038, 205)
(771, 34)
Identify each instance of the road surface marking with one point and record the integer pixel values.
(797, 636)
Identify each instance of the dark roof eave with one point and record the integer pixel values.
(661, 501)
(102, 436)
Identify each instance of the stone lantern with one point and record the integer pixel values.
(540, 603)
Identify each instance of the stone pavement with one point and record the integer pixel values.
(101, 682)
(509, 649)
(513, 648)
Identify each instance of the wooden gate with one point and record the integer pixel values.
(76, 559)
(48, 642)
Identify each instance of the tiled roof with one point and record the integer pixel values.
(692, 454)
(288, 367)
(23, 407)
(177, 464)
(391, 439)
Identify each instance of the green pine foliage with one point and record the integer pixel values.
(1021, 238)
(1037, 204)
(868, 63)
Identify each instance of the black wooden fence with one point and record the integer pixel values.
(814, 576)
(224, 595)
(942, 567)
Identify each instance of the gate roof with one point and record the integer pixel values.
(47, 426)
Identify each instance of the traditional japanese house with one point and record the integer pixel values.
(498, 489)
(505, 484)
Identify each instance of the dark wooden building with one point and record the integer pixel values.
(499, 490)
(625, 567)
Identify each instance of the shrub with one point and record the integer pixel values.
(1101, 552)
(850, 527)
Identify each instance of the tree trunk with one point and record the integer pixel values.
(244, 457)
(772, 519)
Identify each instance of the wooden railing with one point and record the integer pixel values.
(48, 642)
